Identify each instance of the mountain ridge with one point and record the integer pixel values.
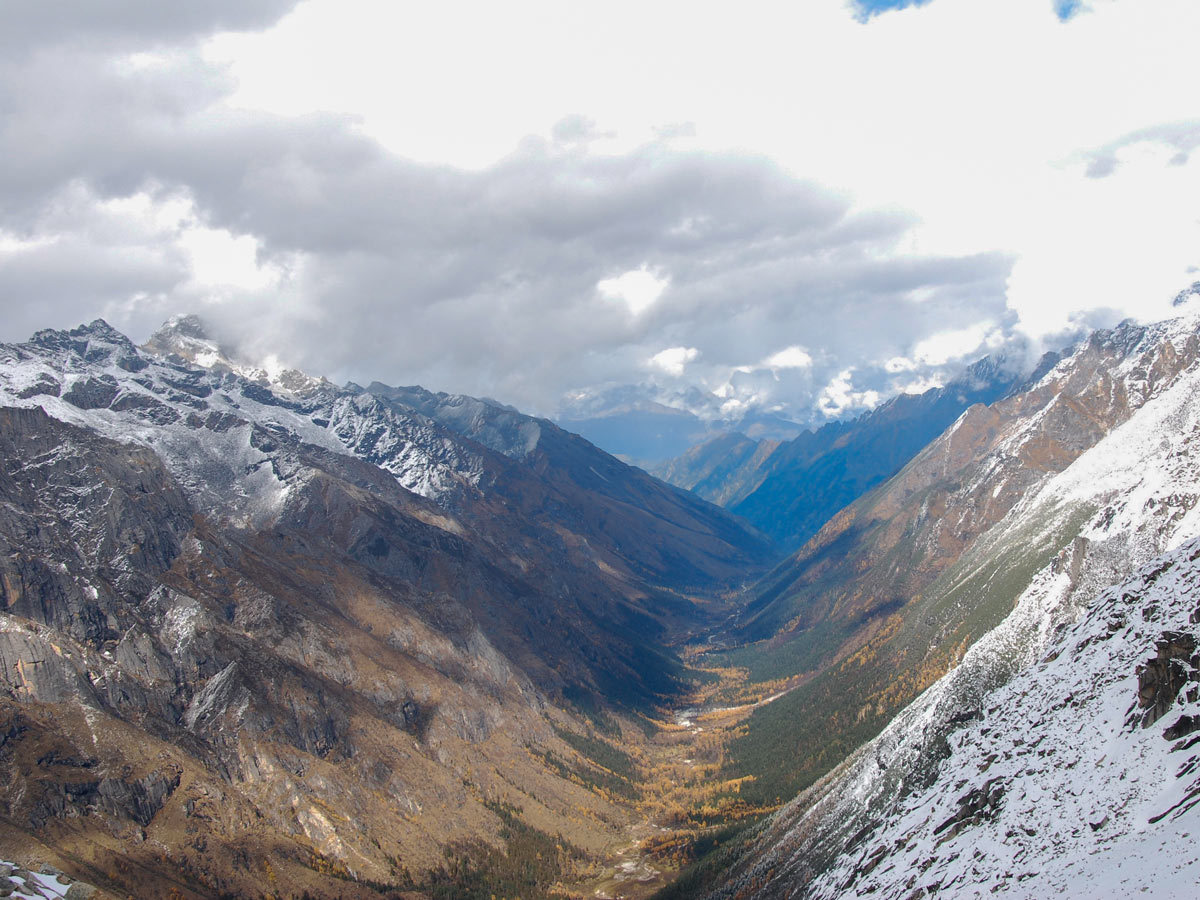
(893, 589)
(956, 769)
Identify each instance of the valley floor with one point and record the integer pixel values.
(686, 807)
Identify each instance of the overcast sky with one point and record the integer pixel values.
(801, 206)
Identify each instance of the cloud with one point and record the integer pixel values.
(674, 360)
(577, 129)
(793, 357)
(1179, 138)
(638, 289)
(33, 24)
(840, 397)
(140, 180)
(944, 346)
(87, 257)
(496, 281)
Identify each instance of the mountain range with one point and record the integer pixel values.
(790, 488)
(894, 588)
(646, 425)
(262, 635)
(294, 631)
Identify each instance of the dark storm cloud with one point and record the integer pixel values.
(481, 281)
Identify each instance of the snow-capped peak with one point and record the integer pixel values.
(188, 339)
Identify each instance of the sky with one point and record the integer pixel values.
(792, 208)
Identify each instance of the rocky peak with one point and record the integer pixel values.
(187, 339)
(1187, 294)
(496, 426)
(188, 326)
(94, 343)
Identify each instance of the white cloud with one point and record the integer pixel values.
(921, 385)
(898, 364)
(674, 360)
(840, 397)
(946, 120)
(221, 260)
(944, 346)
(638, 289)
(793, 357)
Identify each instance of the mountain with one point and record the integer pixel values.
(1057, 756)
(666, 535)
(724, 470)
(261, 634)
(646, 424)
(893, 589)
(789, 489)
(487, 462)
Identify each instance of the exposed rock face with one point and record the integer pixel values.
(263, 621)
(1162, 678)
(88, 526)
(980, 804)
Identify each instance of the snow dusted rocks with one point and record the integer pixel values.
(1057, 758)
(48, 883)
(1058, 788)
(1059, 783)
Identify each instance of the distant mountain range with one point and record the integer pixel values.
(645, 425)
(789, 488)
(260, 633)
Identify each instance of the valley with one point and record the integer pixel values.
(262, 636)
(685, 807)
(599, 451)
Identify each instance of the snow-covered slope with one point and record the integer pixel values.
(1026, 767)
(1058, 789)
